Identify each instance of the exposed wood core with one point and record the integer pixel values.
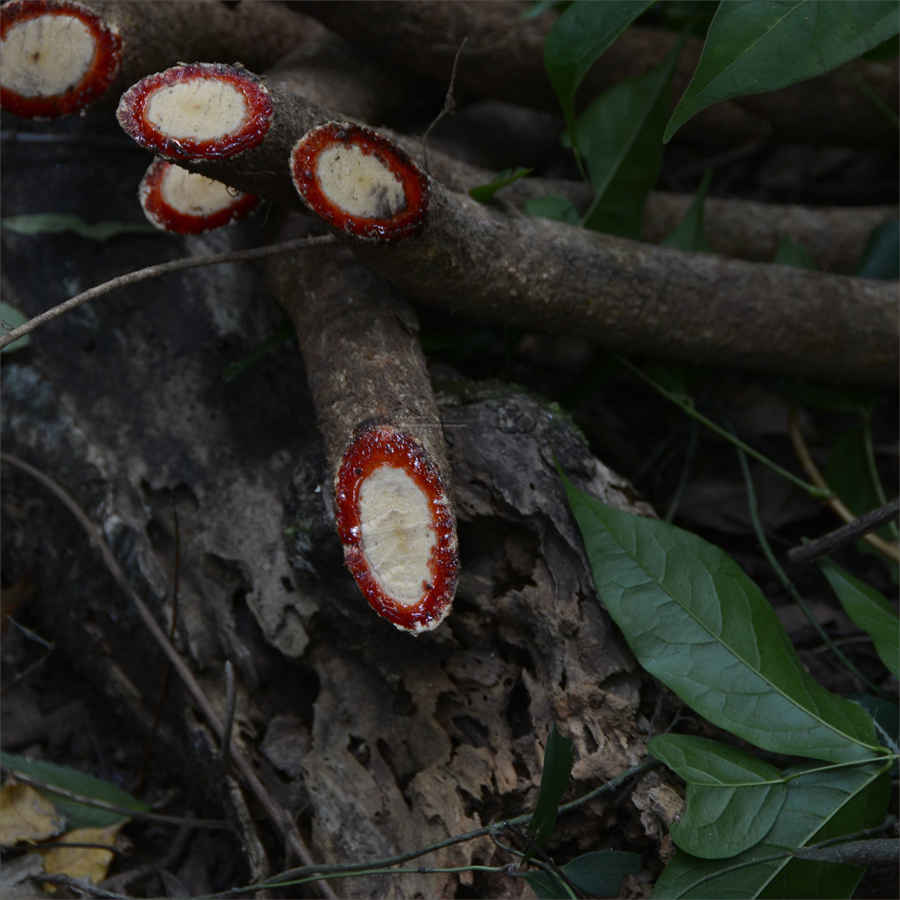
(197, 111)
(397, 527)
(360, 182)
(55, 58)
(183, 202)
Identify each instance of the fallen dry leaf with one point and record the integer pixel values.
(26, 815)
(91, 863)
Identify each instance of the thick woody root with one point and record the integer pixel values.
(383, 435)
(58, 57)
(183, 202)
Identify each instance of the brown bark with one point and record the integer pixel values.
(639, 298)
(539, 274)
(361, 350)
(503, 58)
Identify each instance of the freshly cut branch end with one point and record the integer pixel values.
(360, 182)
(183, 202)
(56, 57)
(197, 111)
(397, 526)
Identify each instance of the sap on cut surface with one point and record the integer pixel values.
(397, 533)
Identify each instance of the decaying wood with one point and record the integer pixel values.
(376, 742)
(425, 36)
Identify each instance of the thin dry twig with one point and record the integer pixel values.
(278, 816)
(155, 271)
(858, 528)
(812, 470)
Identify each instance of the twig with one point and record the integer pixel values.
(486, 830)
(81, 886)
(123, 879)
(230, 700)
(155, 271)
(275, 813)
(812, 470)
(113, 808)
(449, 106)
(787, 583)
(813, 549)
(883, 851)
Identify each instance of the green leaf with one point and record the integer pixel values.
(55, 223)
(697, 622)
(818, 806)
(578, 39)
(870, 610)
(619, 137)
(541, 6)
(688, 234)
(754, 46)
(11, 318)
(484, 192)
(553, 207)
(790, 253)
(732, 798)
(77, 814)
(598, 874)
(554, 780)
(881, 258)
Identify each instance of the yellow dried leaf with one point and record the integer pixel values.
(82, 862)
(26, 815)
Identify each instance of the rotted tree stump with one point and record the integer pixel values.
(376, 742)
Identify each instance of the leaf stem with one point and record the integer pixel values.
(811, 469)
(688, 409)
(786, 583)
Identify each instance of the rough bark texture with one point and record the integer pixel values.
(361, 350)
(377, 742)
(426, 36)
(631, 297)
(641, 298)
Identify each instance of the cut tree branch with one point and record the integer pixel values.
(60, 56)
(504, 59)
(383, 436)
(543, 275)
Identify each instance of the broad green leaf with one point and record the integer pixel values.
(11, 318)
(732, 798)
(754, 46)
(619, 137)
(484, 192)
(541, 6)
(697, 622)
(881, 258)
(55, 223)
(578, 39)
(790, 253)
(818, 806)
(870, 610)
(553, 207)
(558, 758)
(688, 233)
(598, 874)
(77, 814)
